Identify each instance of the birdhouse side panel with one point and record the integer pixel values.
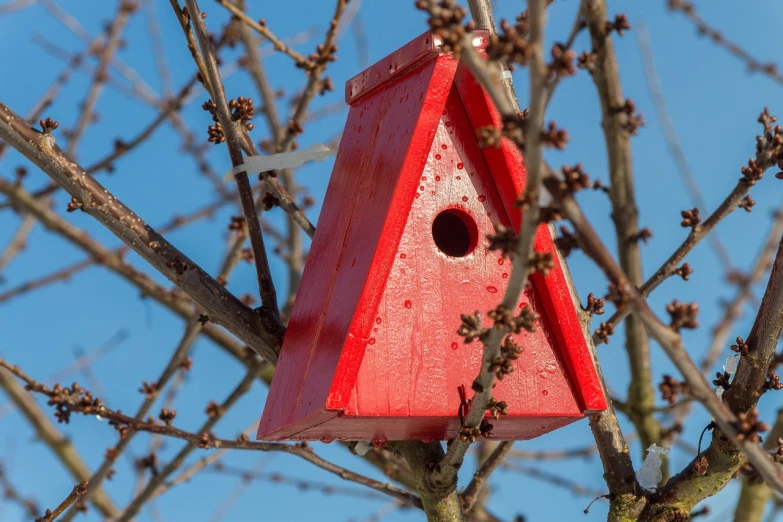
(351, 174)
(395, 124)
(507, 164)
(363, 158)
(414, 360)
(558, 301)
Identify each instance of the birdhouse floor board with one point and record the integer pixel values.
(383, 429)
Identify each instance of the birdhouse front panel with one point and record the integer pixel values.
(371, 351)
(442, 268)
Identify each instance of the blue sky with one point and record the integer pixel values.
(713, 103)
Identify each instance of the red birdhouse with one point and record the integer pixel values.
(372, 351)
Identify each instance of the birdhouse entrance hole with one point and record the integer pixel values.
(455, 232)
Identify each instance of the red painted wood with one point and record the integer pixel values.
(385, 136)
(558, 303)
(371, 350)
(415, 361)
(348, 427)
(506, 164)
(399, 62)
(405, 133)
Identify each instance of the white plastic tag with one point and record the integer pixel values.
(284, 160)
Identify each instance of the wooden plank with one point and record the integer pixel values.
(422, 428)
(507, 165)
(396, 142)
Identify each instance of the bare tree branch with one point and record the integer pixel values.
(17, 243)
(66, 273)
(78, 491)
(92, 198)
(530, 217)
(669, 340)
(755, 496)
(495, 460)
(232, 137)
(11, 494)
(16, 5)
(617, 135)
(769, 69)
(731, 312)
(672, 141)
(51, 436)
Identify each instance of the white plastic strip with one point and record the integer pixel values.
(284, 160)
(505, 75)
(362, 447)
(730, 367)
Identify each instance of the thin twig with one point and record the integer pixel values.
(177, 358)
(191, 471)
(200, 439)
(278, 44)
(77, 29)
(764, 159)
(294, 237)
(669, 340)
(579, 25)
(17, 244)
(151, 99)
(769, 69)
(617, 138)
(11, 494)
(68, 20)
(360, 41)
(91, 197)
(269, 310)
(530, 216)
(544, 455)
(556, 480)
(78, 491)
(158, 51)
(672, 141)
(87, 108)
(81, 363)
(16, 5)
(239, 489)
(48, 97)
(732, 310)
(173, 300)
(301, 484)
(47, 432)
(121, 148)
(495, 459)
(64, 274)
